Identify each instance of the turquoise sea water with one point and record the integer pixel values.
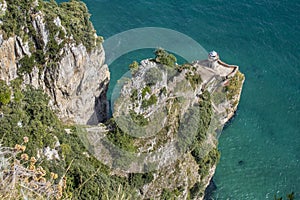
(261, 147)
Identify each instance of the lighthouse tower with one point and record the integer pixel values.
(213, 58)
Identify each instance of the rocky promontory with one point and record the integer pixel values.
(166, 120)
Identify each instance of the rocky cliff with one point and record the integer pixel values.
(166, 123)
(75, 77)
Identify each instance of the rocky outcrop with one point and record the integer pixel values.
(158, 108)
(76, 84)
(8, 59)
(39, 26)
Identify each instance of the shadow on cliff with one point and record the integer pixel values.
(101, 106)
(100, 111)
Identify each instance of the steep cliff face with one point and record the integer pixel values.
(75, 78)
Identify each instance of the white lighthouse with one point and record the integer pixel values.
(213, 58)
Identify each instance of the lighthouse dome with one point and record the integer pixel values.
(213, 54)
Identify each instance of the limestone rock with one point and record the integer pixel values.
(40, 27)
(77, 85)
(8, 60)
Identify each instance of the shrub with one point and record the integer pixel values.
(139, 179)
(149, 102)
(26, 65)
(165, 58)
(134, 95)
(168, 194)
(194, 79)
(5, 93)
(146, 90)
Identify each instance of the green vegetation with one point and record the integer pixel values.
(124, 153)
(87, 177)
(146, 90)
(122, 140)
(205, 162)
(134, 95)
(138, 180)
(27, 63)
(205, 113)
(149, 102)
(134, 66)
(197, 122)
(197, 190)
(30, 116)
(74, 17)
(16, 17)
(187, 66)
(168, 194)
(5, 93)
(234, 86)
(138, 118)
(16, 87)
(163, 57)
(194, 79)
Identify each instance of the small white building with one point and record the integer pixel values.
(213, 58)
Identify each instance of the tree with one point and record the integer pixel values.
(165, 58)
